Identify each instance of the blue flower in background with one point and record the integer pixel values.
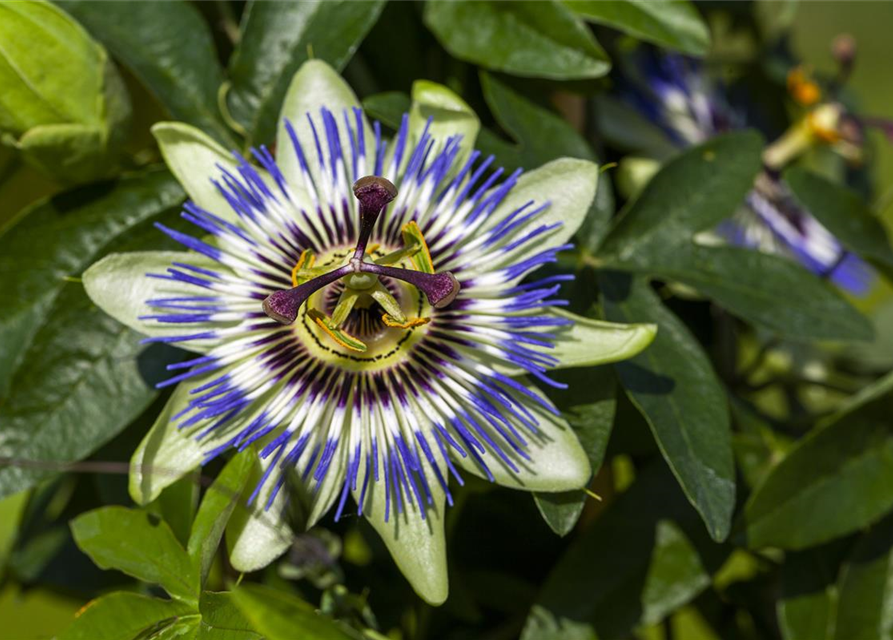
(677, 94)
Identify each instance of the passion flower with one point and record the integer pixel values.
(364, 320)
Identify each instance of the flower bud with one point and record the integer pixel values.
(63, 104)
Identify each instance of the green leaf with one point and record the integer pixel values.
(843, 213)
(771, 292)
(674, 24)
(674, 386)
(592, 424)
(540, 135)
(222, 620)
(693, 192)
(177, 506)
(809, 594)
(139, 544)
(64, 105)
(216, 508)
(82, 380)
(127, 616)
(865, 587)
(836, 480)
(12, 508)
(629, 130)
(533, 39)
(591, 342)
(169, 47)
(277, 38)
(646, 556)
(281, 616)
(387, 107)
(71, 230)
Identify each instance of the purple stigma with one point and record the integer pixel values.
(441, 288)
(374, 194)
(283, 305)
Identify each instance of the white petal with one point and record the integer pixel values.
(314, 86)
(417, 545)
(452, 116)
(193, 157)
(166, 454)
(558, 461)
(256, 535)
(118, 285)
(569, 185)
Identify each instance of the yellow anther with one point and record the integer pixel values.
(307, 257)
(409, 324)
(421, 259)
(802, 88)
(371, 248)
(341, 337)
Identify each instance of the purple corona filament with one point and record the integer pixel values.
(374, 193)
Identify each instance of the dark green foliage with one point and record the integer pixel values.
(742, 463)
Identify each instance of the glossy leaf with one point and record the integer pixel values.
(221, 498)
(169, 47)
(139, 544)
(277, 38)
(533, 39)
(865, 589)
(674, 24)
(222, 619)
(674, 386)
(696, 191)
(72, 230)
(836, 480)
(771, 292)
(64, 106)
(82, 380)
(281, 616)
(539, 134)
(12, 509)
(651, 556)
(125, 616)
(387, 107)
(806, 606)
(693, 192)
(843, 213)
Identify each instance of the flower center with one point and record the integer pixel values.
(341, 319)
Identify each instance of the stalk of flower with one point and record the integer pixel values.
(691, 108)
(374, 342)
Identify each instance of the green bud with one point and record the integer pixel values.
(62, 103)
